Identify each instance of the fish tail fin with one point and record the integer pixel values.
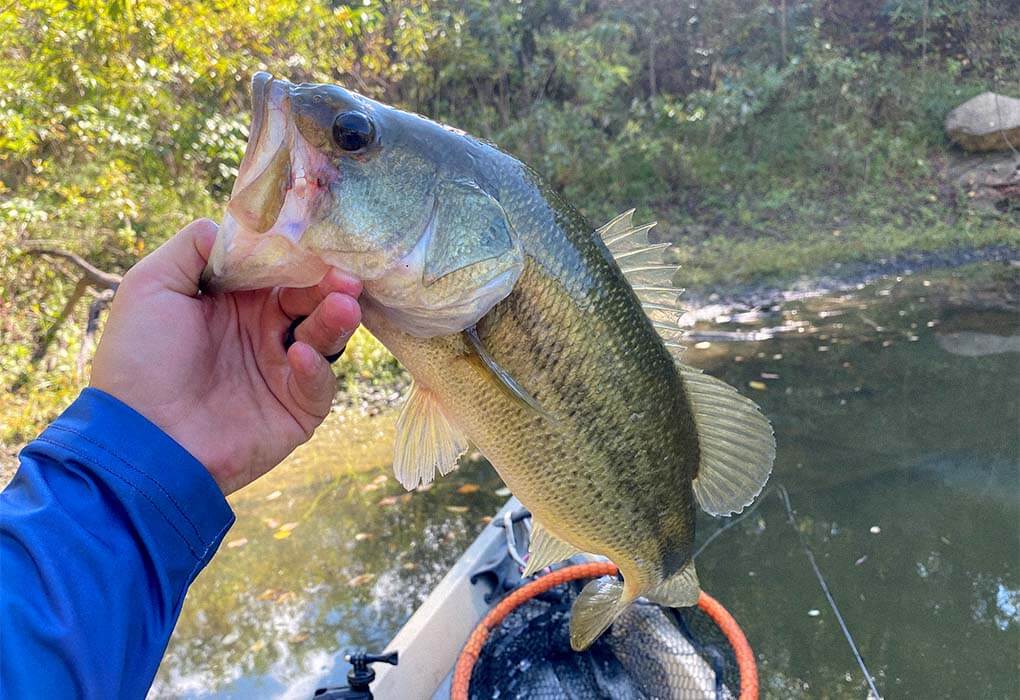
(681, 590)
(599, 603)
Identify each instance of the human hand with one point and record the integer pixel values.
(211, 371)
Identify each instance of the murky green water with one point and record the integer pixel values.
(897, 411)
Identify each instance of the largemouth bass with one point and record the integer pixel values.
(545, 342)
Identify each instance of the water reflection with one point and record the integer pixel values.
(902, 459)
(328, 553)
(901, 455)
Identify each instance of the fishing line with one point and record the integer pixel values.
(785, 496)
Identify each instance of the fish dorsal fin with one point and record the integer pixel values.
(545, 549)
(736, 442)
(681, 590)
(426, 440)
(651, 279)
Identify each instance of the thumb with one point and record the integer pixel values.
(177, 264)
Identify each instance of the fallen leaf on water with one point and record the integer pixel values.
(362, 536)
(760, 386)
(409, 566)
(230, 638)
(289, 526)
(703, 345)
(271, 523)
(769, 375)
(281, 534)
(486, 519)
(298, 638)
(381, 479)
(284, 597)
(361, 580)
(457, 509)
(503, 492)
(369, 487)
(258, 646)
(240, 542)
(269, 594)
(274, 495)
(468, 488)
(388, 501)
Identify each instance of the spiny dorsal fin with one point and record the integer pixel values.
(736, 441)
(426, 440)
(545, 549)
(650, 277)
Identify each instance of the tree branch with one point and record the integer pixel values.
(92, 274)
(106, 284)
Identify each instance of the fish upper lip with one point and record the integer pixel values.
(260, 84)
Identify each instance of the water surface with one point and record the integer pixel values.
(897, 412)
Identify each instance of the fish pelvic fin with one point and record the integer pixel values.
(681, 590)
(426, 440)
(545, 549)
(736, 442)
(599, 603)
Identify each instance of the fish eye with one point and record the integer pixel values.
(353, 131)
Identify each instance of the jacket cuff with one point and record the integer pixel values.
(126, 449)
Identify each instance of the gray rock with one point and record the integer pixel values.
(987, 178)
(988, 122)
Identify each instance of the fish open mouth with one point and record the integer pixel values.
(280, 188)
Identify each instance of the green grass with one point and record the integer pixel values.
(721, 263)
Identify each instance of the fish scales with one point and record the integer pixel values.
(571, 328)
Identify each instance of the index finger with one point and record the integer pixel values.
(296, 302)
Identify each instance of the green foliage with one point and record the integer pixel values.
(746, 127)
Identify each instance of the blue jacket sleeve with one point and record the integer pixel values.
(103, 528)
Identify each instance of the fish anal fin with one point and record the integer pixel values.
(681, 590)
(545, 549)
(598, 604)
(426, 440)
(736, 442)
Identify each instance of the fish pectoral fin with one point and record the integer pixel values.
(545, 549)
(736, 442)
(681, 590)
(426, 440)
(501, 375)
(599, 603)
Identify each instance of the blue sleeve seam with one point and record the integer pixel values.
(130, 466)
(205, 553)
(86, 458)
